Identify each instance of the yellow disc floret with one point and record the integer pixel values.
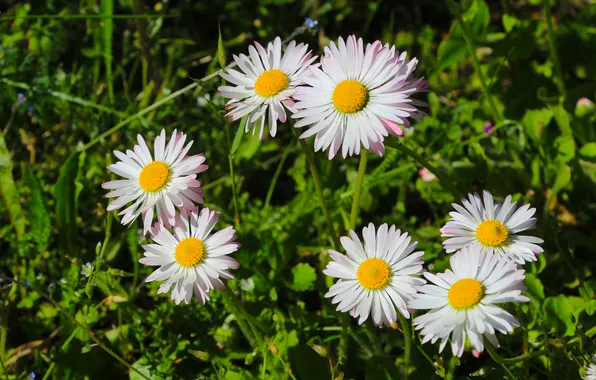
(374, 274)
(155, 176)
(190, 252)
(271, 82)
(492, 233)
(350, 96)
(465, 293)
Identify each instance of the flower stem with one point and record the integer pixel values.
(405, 328)
(280, 166)
(244, 320)
(491, 101)
(553, 49)
(422, 161)
(77, 323)
(493, 354)
(358, 189)
(310, 159)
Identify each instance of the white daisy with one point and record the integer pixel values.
(163, 183)
(358, 98)
(463, 300)
(492, 227)
(590, 370)
(193, 259)
(266, 84)
(377, 278)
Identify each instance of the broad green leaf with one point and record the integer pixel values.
(509, 22)
(39, 218)
(304, 277)
(588, 152)
(144, 368)
(565, 146)
(66, 192)
(562, 180)
(535, 121)
(307, 364)
(8, 190)
(109, 286)
(563, 120)
(563, 313)
(535, 287)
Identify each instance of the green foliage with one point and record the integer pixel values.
(78, 78)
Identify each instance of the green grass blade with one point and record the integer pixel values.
(66, 193)
(107, 9)
(8, 190)
(39, 217)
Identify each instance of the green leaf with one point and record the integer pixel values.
(563, 313)
(238, 137)
(565, 146)
(66, 192)
(304, 277)
(109, 286)
(588, 152)
(563, 120)
(144, 368)
(509, 22)
(562, 180)
(221, 50)
(307, 364)
(535, 287)
(39, 218)
(535, 121)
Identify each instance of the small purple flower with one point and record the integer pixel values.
(32, 375)
(20, 98)
(310, 23)
(488, 128)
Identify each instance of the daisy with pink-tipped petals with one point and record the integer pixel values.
(358, 97)
(157, 184)
(264, 87)
(192, 260)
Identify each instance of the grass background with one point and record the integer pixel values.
(71, 70)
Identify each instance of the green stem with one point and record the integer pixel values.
(310, 159)
(422, 161)
(3, 368)
(358, 188)
(506, 361)
(235, 309)
(276, 176)
(552, 44)
(231, 163)
(491, 101)
(405, 328)
(77, 323)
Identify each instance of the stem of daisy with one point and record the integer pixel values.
(358, 189)
(77, 323)
(553, 50)
(310, 159)
(493, 354)
(231, 162)
(237, 308)
(491, 101)
(422, 161)
(405, 328)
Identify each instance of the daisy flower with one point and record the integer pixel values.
(462, 301)
(192, 260)
(357, 97)
(492, 227)
(590, 370)
(266, 84)
(157, 184)
(375, 278)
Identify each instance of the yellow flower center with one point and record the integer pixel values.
(271, 82)
(374, 274)
(465, 293)
(492, 233)
(350, 96)
(189, 252)
(154, 176)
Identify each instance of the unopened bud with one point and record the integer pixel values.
(273, 348)
(584, 107)
(318, 349)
